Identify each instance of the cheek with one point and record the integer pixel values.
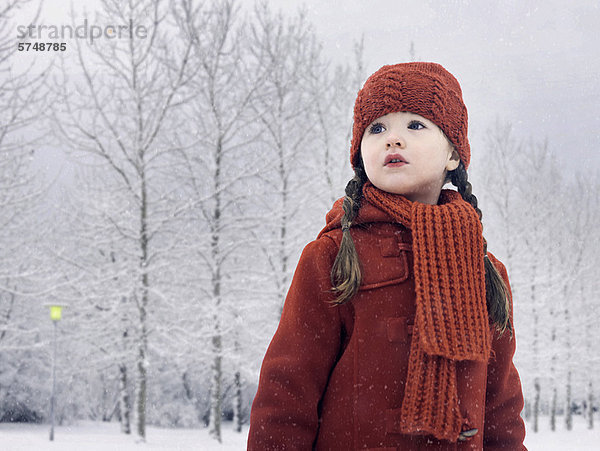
(368, 158)
(365, 153)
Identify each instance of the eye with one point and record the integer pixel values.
(416, 123)
(376, 128)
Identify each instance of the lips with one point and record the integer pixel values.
(394, 158)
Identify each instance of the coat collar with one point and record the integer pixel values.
(367, 213)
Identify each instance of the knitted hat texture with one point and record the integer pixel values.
(423, 88)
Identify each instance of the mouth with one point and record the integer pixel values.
(394, 159)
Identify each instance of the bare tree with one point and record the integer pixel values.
(574, 251)
(537, 167)
(22, 98)
(332, 96)
(116, 116)
(96, 263)
(550, 264)
(287, 116)
(507, 192)
(589, 289)
(590, 294)
(217, 167)
(537, 220)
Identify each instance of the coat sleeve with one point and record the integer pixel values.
(299, 359)
(504, 427)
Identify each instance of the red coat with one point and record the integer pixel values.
(333, 377)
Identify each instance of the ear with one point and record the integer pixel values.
(453, 162)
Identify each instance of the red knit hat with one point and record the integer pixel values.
(419, 87)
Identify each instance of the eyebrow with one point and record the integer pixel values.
(414, 116)
(418, 115)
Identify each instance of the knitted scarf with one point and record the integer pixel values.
(451, 320)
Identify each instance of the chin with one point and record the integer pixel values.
(391, 188)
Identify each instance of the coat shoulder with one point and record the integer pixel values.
(324, 248)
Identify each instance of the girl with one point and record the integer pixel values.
(396, 333)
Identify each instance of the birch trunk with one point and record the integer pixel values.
(214, 427)
(124, 400)
(217, 346)
(237, 386)
(237, 402)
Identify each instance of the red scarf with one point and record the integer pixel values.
(451, 320)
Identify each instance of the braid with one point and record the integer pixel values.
(497, 295)
(345, 272)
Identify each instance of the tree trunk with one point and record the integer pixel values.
(553, 406)
(217, 345)
(536, 369)
(568, 413)
(124, 400)
(585, 298)
(215, 389)
(237, 386)
(284, 220)
(536, 405)
(568, 409)
(142, 303)
(237, 402)
(590, 406)
(142, 380)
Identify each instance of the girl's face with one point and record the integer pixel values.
(422, 146)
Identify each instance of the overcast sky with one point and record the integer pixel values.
(534, 63)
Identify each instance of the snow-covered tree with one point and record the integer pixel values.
(115, 116)
(214, 166)
(22, 275)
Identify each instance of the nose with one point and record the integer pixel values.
(394, 143)
(394, 140)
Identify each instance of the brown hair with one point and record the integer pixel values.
(346, 274)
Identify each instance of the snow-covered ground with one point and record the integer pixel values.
(92, 436)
